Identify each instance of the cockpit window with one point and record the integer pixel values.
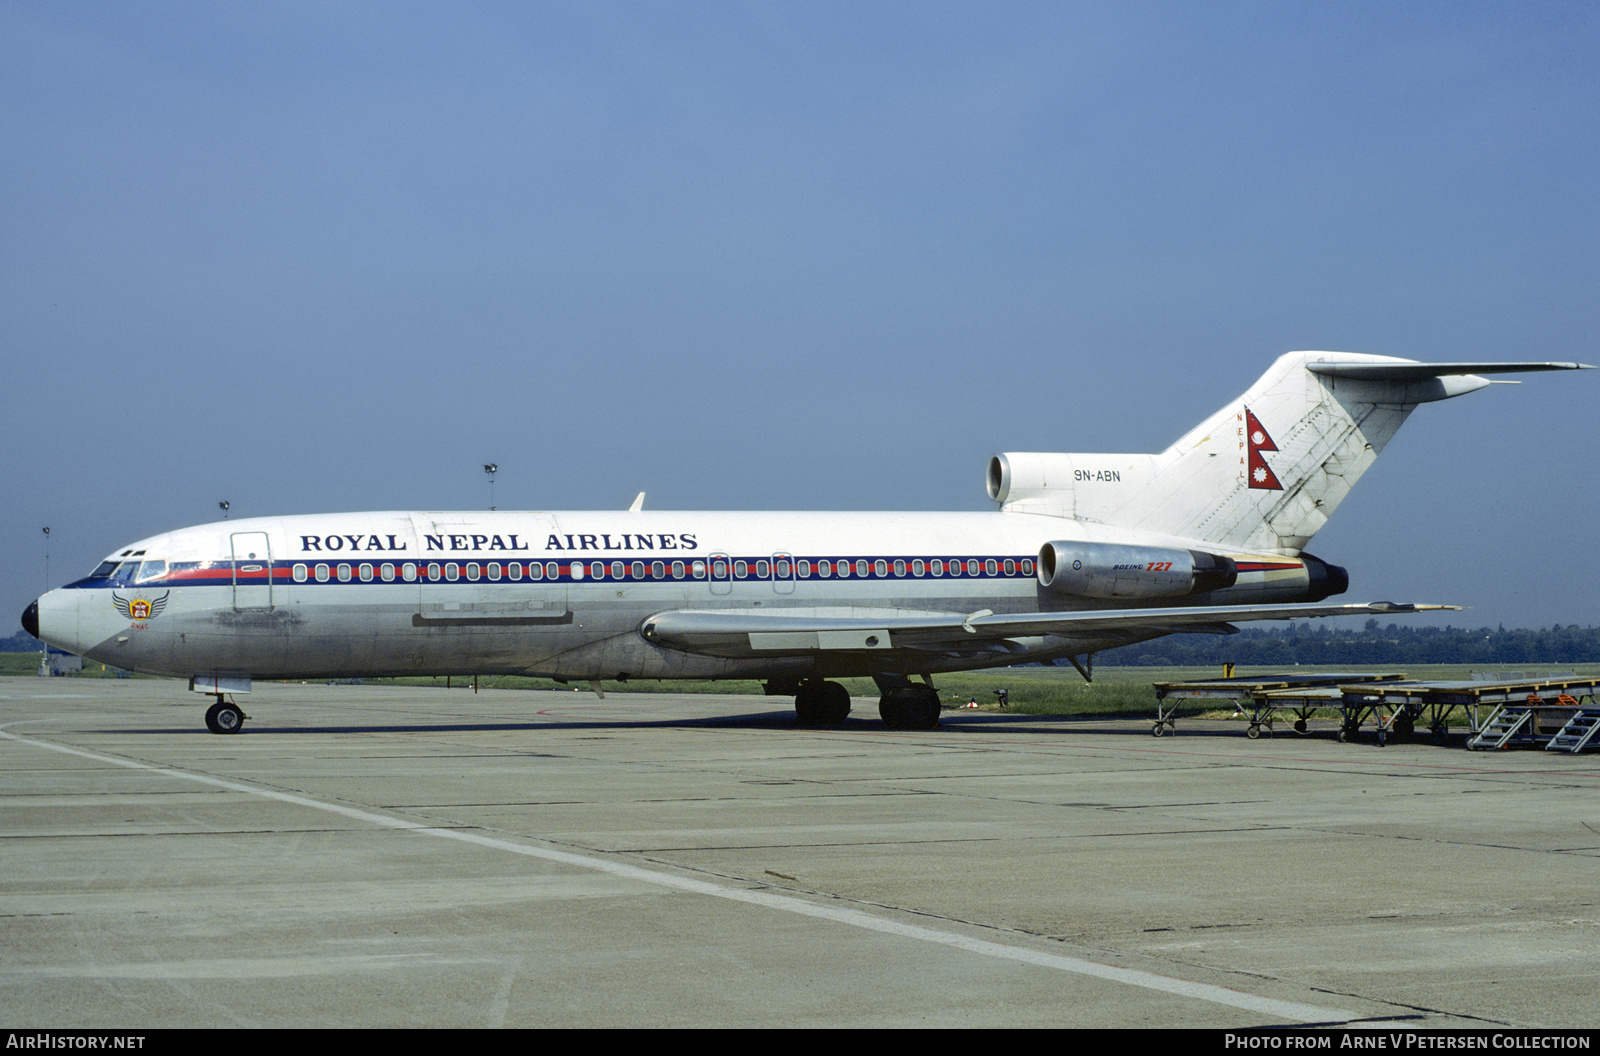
(104, 571)
(152, 570)
(127, 571)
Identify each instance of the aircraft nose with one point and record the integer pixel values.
(30, 619)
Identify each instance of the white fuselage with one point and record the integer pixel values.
(563, 595)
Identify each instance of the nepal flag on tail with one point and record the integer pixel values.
(1258, 473)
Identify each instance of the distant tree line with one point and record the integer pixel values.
(1324, 645)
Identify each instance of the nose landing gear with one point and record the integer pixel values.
(224, 717)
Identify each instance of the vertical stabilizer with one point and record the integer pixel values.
(1266, 471)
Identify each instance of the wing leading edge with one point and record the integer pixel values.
(742, 634)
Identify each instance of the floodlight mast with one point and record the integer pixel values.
(489, 469)
(44, 655)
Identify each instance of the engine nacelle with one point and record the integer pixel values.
(1322, 579)
(1110, 570)
(1088, 487)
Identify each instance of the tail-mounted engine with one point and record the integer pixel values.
(1109, 570)
(1090, 487)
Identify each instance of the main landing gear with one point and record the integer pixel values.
(904, 705)
(224, 717)
(910, 707)
(821, 703)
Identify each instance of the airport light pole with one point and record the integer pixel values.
(224, 507)
(489, 470)
(44, 656)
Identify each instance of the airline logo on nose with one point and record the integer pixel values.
(1257, 473)
(139, 608)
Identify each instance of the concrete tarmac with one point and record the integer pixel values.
(377, 856)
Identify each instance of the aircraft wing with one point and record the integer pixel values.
(744, 634)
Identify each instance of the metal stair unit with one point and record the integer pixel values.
(1577, 733)
(1503, 725)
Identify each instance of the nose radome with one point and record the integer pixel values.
(30, 619)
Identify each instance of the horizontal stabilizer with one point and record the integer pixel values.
(1400, 371)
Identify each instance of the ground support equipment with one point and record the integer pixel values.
(1261, 698)
(1519, 710)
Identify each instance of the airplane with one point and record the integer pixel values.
(1086, 552)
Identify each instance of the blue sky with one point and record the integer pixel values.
(328, 256)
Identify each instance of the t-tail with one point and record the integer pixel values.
(1262, 474)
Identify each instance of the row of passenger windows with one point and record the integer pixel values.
(717, 568)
